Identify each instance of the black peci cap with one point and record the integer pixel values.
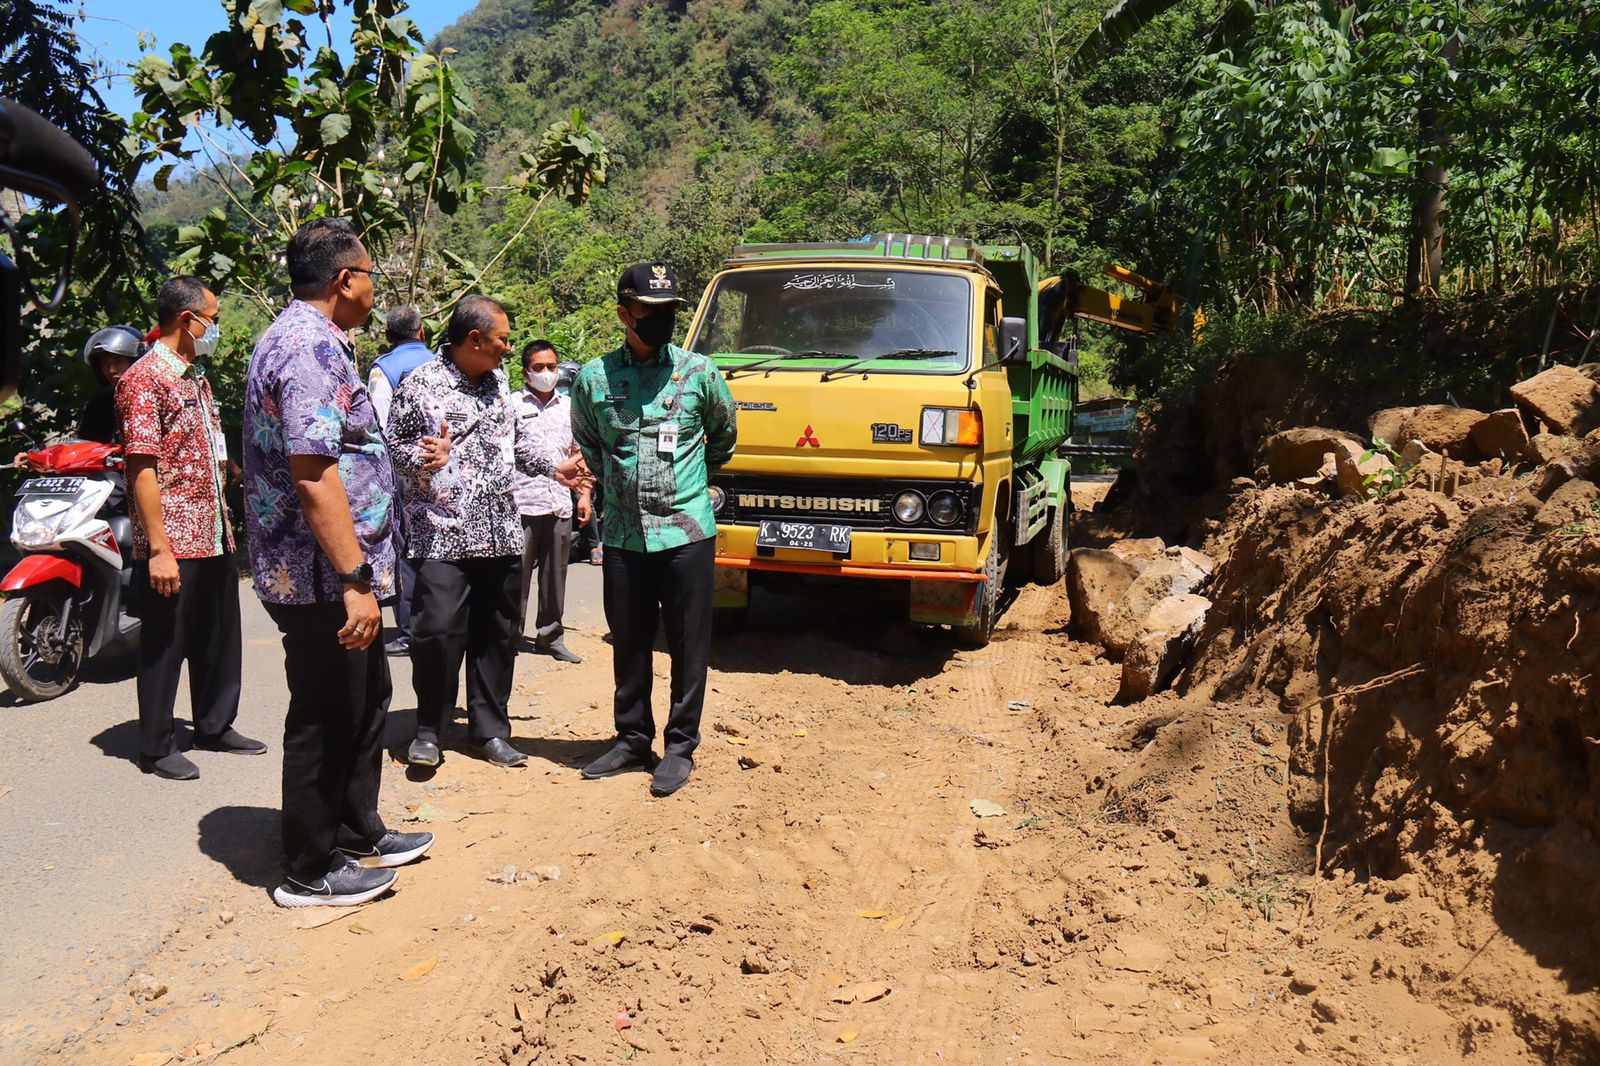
(649, 283)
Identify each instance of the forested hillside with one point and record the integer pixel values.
(788, 120)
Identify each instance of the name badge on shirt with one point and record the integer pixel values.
(219, 445)
(667, 439)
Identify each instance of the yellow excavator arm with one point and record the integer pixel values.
(1065, 297)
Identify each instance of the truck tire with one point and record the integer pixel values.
(1047, 552)
(994, 572)
(35, 663)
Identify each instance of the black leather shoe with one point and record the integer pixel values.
(621, 759)
(501, 753)
(557, 650)
(174, 767)
(671, 775)
(423, 753)
(399, 646)
(231, 741)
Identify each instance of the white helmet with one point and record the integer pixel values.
(125, 341)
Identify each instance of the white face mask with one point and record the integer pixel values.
(206, 343)
(542, 380)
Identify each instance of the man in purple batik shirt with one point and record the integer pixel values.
(319, 516)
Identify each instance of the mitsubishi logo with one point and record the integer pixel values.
(809, 438)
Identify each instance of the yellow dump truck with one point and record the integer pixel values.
(902, 405)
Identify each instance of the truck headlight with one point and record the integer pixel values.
(960, 426)
(909, 508)
(944, 508)
(719, 499)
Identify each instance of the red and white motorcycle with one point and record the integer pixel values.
(68, 598)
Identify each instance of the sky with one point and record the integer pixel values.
(112, 27)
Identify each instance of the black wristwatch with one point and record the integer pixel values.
(361, 575)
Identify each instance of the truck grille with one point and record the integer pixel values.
(842, 501)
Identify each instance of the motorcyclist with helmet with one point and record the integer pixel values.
(108, 353)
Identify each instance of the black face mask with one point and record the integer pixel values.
(656, 329)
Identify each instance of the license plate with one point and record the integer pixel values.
(51, 486)
(807, 536)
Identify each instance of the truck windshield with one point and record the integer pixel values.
(809, 318)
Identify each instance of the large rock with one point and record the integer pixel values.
(1386, 424)
(1156, 653)
(1549, 447)
(1552, 477)
(1097, 580)
(1565, 400)
(1570, 506)
(1362, 478)
(1444, 429)
(1299, 453)
(1502, 435)
(1171, 575)
(1141, 552)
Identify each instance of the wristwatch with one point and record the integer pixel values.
(361, 575)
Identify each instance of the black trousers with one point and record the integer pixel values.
(199, 625)
(332, 738)
(644, 591)
(405, 575)
(546, 545)
(465, 608)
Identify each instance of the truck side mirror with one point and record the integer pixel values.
(1013, 341)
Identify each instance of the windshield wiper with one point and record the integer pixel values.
(898, 353)
(811, 354)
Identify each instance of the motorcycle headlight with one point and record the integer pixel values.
(909, 508)
(944, 508)
(719, 499)
(41, 520)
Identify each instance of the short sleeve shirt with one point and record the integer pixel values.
(304, 397)
(166, 413)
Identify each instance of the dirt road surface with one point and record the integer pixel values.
(891, 852)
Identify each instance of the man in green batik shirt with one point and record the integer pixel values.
(654, 422)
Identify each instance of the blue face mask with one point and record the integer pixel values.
(206, 343)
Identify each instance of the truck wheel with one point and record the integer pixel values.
(977, 634)
(728, 621)
(1047, 552)
(39, 658)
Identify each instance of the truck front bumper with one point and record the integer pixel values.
(944, 591)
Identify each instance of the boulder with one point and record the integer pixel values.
(1566, 401)
(1299, 453)
(1167, 576)
(1501, 435)
(1385, 425)
(1444, 429)
(1354, 473)
(1549, 447)
(1096, 581)
(1207, 565)
(1552, 476)
(1141, 552)
(1570, 505)
(1168, 632)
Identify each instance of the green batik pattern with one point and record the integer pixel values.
(654, 502)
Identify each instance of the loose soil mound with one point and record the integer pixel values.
(1436, 655)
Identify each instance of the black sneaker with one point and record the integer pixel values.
(671, 775)
(621, 759)
(393, 849)
(398, 646)
(232, 741)
(344, 886)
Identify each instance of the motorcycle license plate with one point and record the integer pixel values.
(51, 486)
(807, 536)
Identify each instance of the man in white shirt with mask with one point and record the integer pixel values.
(547, 506)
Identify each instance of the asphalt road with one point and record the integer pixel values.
(97, 859)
